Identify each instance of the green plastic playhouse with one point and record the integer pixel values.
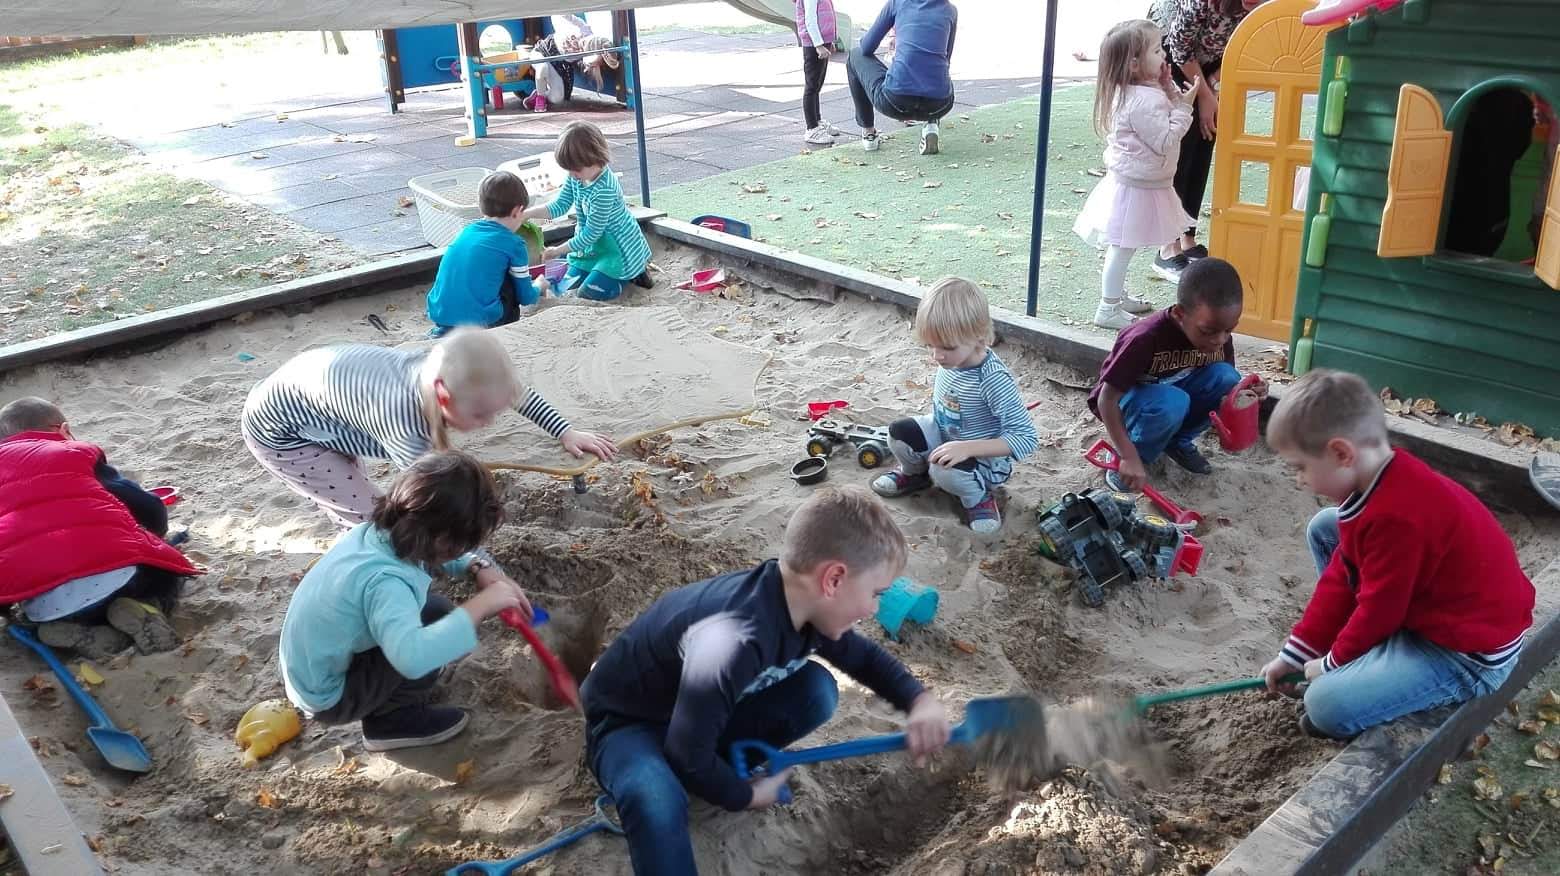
(1381, 292)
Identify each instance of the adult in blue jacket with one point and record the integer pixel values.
(917, 87)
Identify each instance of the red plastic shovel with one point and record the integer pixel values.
(706, 280)
(563, 683)
(1103, 455)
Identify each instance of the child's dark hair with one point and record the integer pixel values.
(1210, 281)
(444, 505)
(501, 193)
(582, 145)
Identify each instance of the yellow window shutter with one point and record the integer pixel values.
(1416, 178)
(1547, 265)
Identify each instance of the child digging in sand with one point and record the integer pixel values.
(315, 418)
(1421, 600)
(482, 277)
(727, 659)
(82, 546)
(978, 424)
(608, 249)
(363, 639)
(1167, 372)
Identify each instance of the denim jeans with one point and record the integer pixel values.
(592, 286)
(629, 760)
(1163, 415)
(914, 438)
(1405, 674)
(866, 74)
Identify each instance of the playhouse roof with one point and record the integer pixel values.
(117, 17)
(1330, 11)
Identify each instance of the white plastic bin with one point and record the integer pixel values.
(447, 202)
(540, 173)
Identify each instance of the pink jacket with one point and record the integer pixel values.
(821, 28)
(1144, 141)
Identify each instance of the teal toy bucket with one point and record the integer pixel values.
(905, 600)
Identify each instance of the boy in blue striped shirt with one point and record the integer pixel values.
(978, 424)
(608, 249)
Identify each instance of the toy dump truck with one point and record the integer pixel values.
(870, 442)
(1102, 537)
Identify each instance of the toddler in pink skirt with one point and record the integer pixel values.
(1142, 115)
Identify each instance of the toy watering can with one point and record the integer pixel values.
(1236, 418)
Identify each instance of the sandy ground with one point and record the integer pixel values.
(697, 502)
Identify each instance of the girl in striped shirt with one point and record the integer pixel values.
(608, 249)
(978, 424)
(315, 418)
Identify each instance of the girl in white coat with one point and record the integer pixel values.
(1142, 115)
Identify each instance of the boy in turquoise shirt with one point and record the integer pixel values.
(363, 639)
(483, 278)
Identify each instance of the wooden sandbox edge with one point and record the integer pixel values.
(45, 839)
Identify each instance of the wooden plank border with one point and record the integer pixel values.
(40, 829)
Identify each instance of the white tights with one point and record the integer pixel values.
(1113, 282)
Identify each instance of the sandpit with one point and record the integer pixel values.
(692, 503)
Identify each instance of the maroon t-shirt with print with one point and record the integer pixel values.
(1152, 350)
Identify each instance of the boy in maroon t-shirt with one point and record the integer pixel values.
(1167, 372)
(1421, 600)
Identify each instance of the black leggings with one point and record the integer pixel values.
(373, 687)
(814, 71)
(1196, 160)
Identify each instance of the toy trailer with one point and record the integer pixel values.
(1432, 222)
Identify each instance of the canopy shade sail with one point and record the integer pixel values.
(116, 17)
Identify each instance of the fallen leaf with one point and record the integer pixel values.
(1479, 742)
(1512, 434)
(1552, 797)
(229, 125)
(1546, 750)
(190, 201)
(865, 215)
(1444, 777)
(465, 770)
(1550, 715)
(1486, 788)
(932, 184)
(348, 767)
(258, 155)
(268, 799)
(1532, 727)
(966, 647)
(88, 673)
(5, 792)
(1006, 217)
(197, 718)
(1536, 765)
(404, 201)
(75, 780)
(1095, 171)
(39, 684)
(1516, 800)
(773, 217)
(757, 188)
(1550, 698)
(281, 117)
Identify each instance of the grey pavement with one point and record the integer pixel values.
(338, 163)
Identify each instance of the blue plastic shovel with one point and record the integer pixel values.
(119, 748)
(982, 717)
(599, 821)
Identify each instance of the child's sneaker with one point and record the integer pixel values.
(1171, 268)
(896, 483)
(412, 726)
(92, 641)
(984, 518)
(643, 281)
(1110, 315)
(1115, 483)
(818, 137)
(1190, 458)
(539, 105)
(1134, 305)
(144, 624)
(1197, 252)
(869, 142)
(929, 139)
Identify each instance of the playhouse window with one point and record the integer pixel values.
(496, 39)
(1500, 179)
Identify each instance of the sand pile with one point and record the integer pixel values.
(698, 501)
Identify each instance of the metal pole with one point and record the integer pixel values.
(634, 74)
(1037, 221)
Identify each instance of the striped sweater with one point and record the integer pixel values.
(359, 400)
(600, 211)
(972, 404)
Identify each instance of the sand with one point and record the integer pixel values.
(695, 502)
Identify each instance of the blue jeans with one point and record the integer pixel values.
(1406, 673)
(593, 286)
(866, 75)
(629, 760)
(1159, 416)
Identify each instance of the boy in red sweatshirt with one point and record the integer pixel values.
(1421, 600)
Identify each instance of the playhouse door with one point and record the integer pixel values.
(1267, 113)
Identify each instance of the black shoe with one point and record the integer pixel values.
(1197, 252)
(1171, 267)
(1190, 458)
(643, 281)
(412, 726)
(1113, 481)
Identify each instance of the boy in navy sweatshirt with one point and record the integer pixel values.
(1421, 600)
(727, 659)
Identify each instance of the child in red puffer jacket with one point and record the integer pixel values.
(81, 545)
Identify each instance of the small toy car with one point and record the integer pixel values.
(870, 442)
(1103, 538)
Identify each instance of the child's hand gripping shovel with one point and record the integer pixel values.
(122, 750)
(599, 821)
(1103, 455)
(1018, 717)
(562, 682)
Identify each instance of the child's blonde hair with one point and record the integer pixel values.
(30, 414)
(471, 362)
(1323, 405)
(954, 312)
(847, 524)
(1123, 45)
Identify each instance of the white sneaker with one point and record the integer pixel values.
(929, 139)
(1109, 315)
(869, 142)
(829, 127)
(1133, 305)
(818, 137)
